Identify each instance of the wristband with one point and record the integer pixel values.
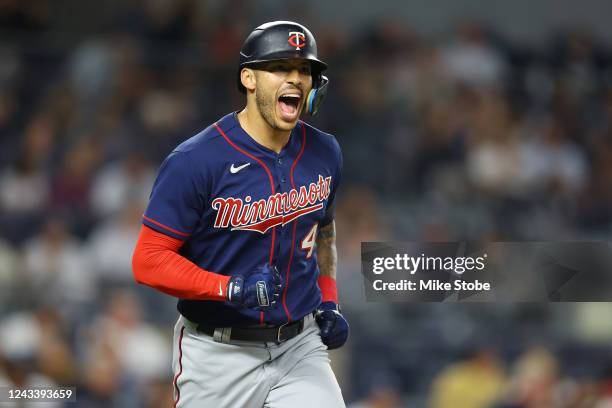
(329, 292)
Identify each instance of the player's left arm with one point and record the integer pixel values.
(327, 256)
(334, 327)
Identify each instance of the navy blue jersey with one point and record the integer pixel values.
(238, 205)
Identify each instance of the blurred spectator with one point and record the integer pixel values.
(495, 163)
(165, 119)
(72, 183)
(477, 382)
(126, 181)
(139, 349)
(9, 74)
(55, 358)
(595, 201)
(20, 337)
(24, 186)
(32, 353)
(91, 71)
(562, 163)
(384, 392)
(9, 273)
(604, 399)
(471, 58)
(103, 383)
(535, 381)
(56, 266)
(111, 245)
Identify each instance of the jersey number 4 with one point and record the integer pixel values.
(308, 243)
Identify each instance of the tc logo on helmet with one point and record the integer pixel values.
(297, 40)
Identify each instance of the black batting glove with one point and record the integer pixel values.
(334, 327)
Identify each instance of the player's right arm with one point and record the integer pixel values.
(157, 263)
(175, 208)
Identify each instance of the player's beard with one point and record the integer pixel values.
(266, 103)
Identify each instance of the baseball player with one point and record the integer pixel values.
(240, 227)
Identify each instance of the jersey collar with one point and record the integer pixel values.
(231, 126)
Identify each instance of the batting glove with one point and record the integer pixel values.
(259, 290)
(334, 327)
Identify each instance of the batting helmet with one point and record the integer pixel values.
(279, 40)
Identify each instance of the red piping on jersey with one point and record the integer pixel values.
(165, 226)
(294, 225)
(299, 154)
(222, 133)
(287, 274)
(180, 361)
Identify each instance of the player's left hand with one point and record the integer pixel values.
(334, 327)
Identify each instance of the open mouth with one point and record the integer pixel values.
(289, 105)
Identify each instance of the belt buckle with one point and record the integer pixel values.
(222, 334)
(300, 328)
(278, 333)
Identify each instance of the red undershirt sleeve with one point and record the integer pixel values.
(157, 263)
(329, 292)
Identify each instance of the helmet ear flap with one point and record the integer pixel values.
(316, 95)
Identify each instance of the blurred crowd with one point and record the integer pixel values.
(463, 137)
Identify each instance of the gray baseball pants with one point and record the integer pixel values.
(293, 374)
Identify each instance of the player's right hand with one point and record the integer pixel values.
(260, 290)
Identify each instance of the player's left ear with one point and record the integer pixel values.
(247, 77)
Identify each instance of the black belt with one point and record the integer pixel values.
(277, 334)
